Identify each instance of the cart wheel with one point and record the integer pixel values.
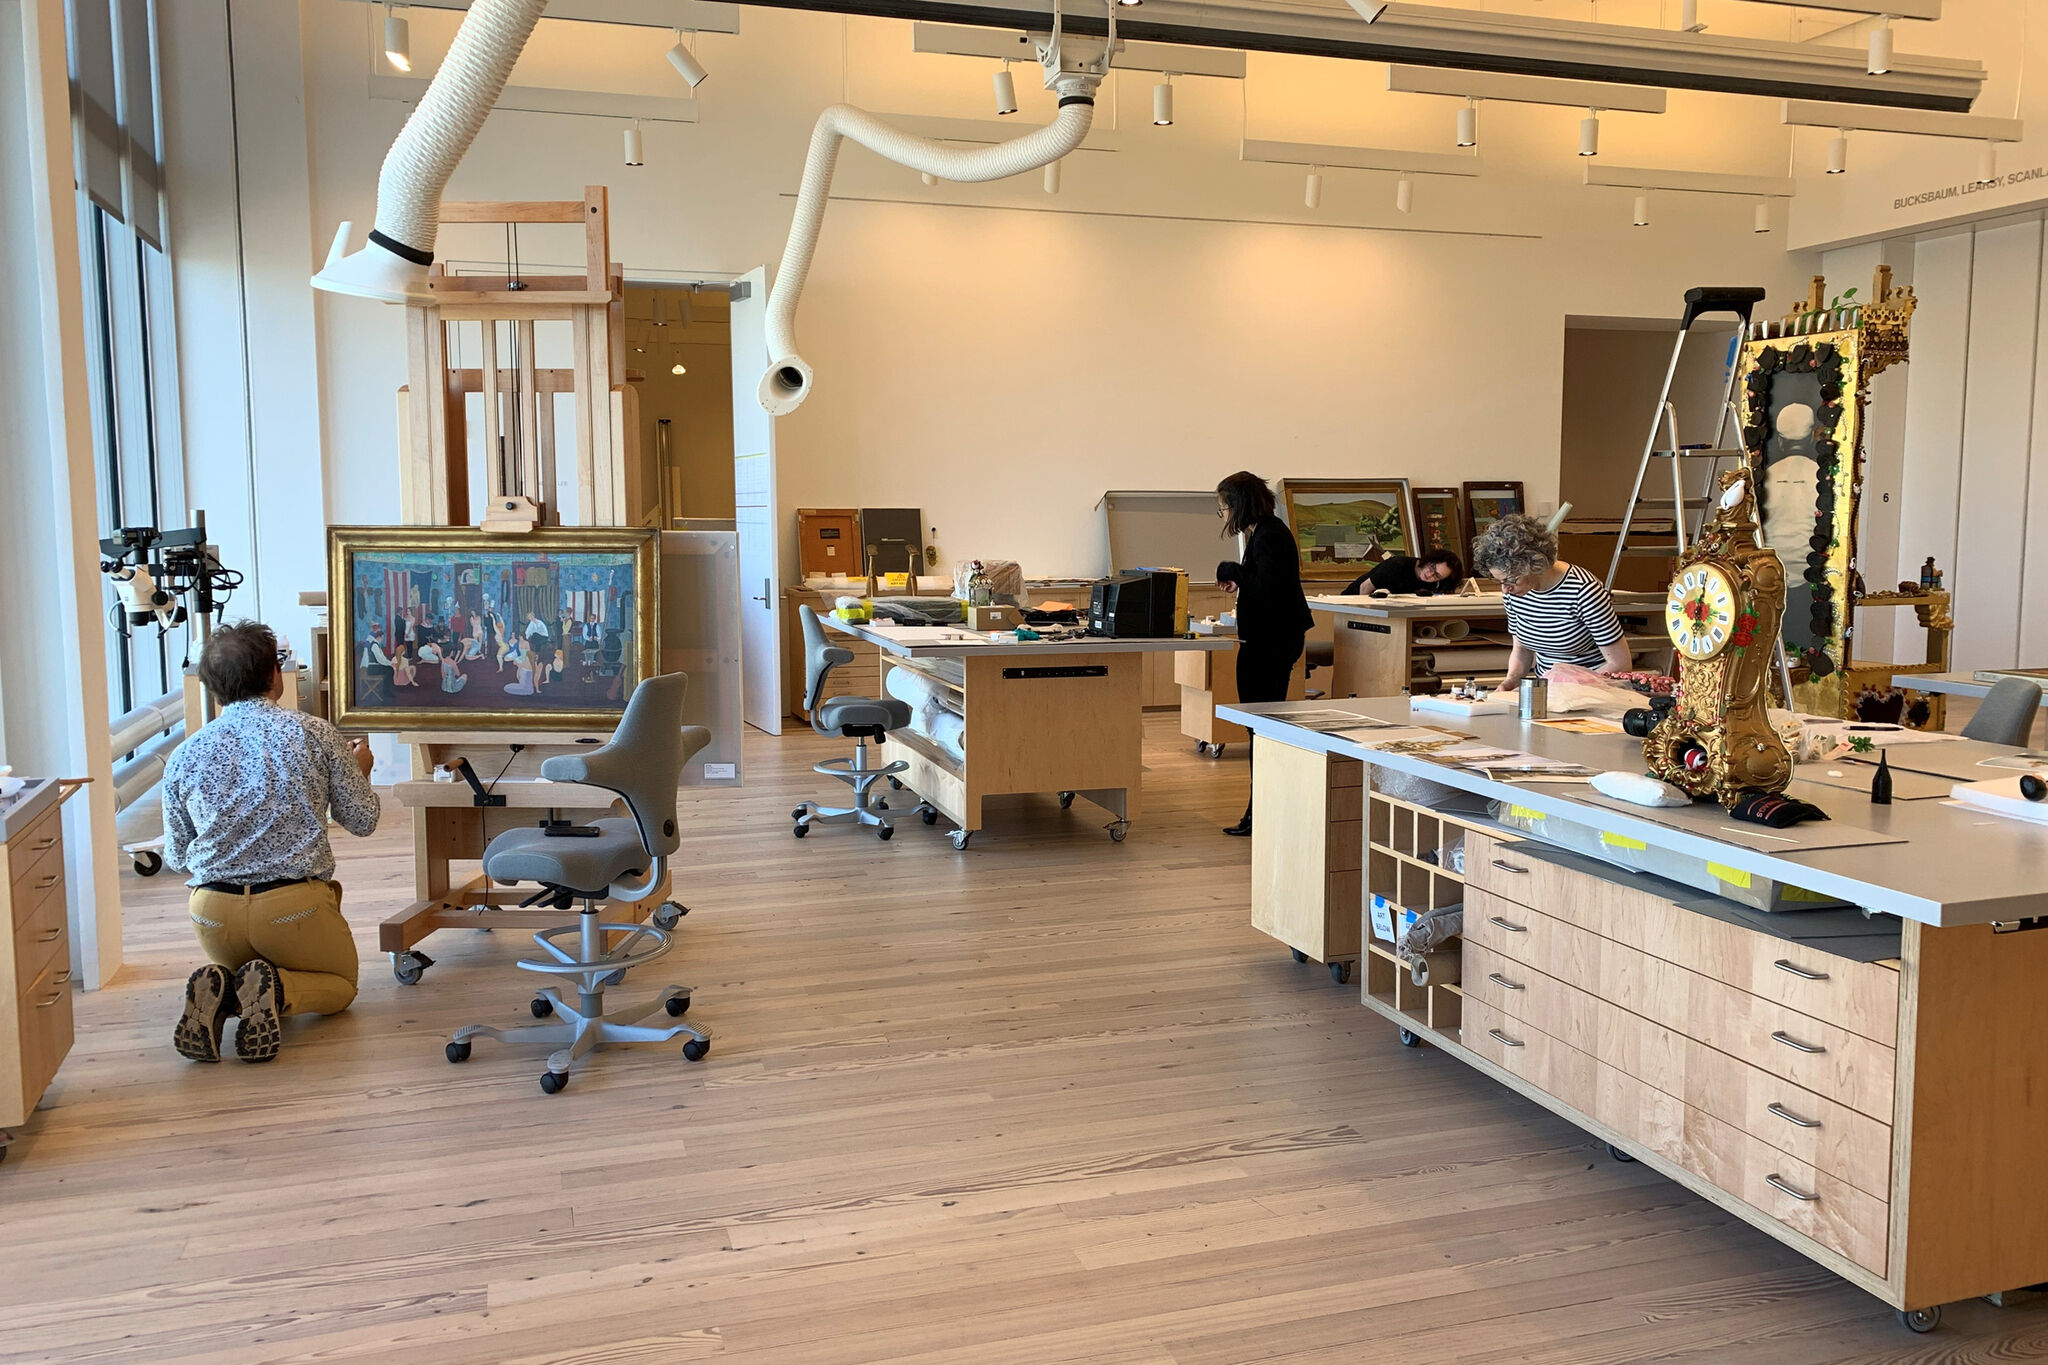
(458, 1052)
(798, 813)
(1410, 1038)
(929, 816)
(1201, 746)
(695, 1049)
(540, 1007)
(1066, 800)
(1299, 956)
(886, 833)
(1921, 1319)
(1118, 830)
(1215, 751)
(148, 863)
(1623, 1157)
(800, 830)
(961, 836)
(668, 914)
(677, 1006)
(554, 1082)
(1340, 972)
(409, 967)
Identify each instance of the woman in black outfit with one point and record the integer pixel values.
(1272, 613)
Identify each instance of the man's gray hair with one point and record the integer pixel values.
(1517, 545)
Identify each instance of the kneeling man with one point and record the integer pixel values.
(245, 812)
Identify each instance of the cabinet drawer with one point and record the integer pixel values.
(37, 858)
(39, 938)
(1859, 996)
(45, 1022)
(1818, 1056)
(1530, 1053)
(1835, 1214)
(1818, 1131)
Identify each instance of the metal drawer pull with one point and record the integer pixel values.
(62, 978)
(1505, 1039)
(47, 841)
(1511, 928)
(1789, 1041)
(1497, 979)
(46, 883)
(1804, 975)
(50, 935)
(1786, 1114)
(55, 996)
(1510, 867)
(1801, 1195)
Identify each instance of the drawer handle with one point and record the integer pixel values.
(1510, 867)
(50, 935)
(1804, 975)
(1511, 928)
(1497, 979)
(47, 841)
(55, 996)
(1802, 1196)
(1789, 1041)
(46, 883)
(1502, 1037)
(62, 978)
(1786, 1114)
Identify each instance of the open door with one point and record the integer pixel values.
(753, 484)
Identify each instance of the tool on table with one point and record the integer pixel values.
(1881, 781)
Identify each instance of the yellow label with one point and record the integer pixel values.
(1620, 841)
(1732, 875)
(1800, 893)
(1524, 813)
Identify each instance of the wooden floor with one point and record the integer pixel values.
(1050, 1099)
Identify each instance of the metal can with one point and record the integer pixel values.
(1535, 699)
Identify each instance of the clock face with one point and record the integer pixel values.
(1699, 613)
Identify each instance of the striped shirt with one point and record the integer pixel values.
(1566, 624)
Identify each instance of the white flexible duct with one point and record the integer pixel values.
(426, 152)
(788, 379)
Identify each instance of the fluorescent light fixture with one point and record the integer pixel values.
(1130, 2)
(397, 39)
(1688, 182)
(1589, 133)
(1838, 152)
(1763, 216)
(1642, 218)
(1468, 124)
(635, 153)
(1320, 154)
(1482, 85)
(1052, 177)
(686, 64)
(1313, 195)
(1404, 195)
(1006, 91)
(1880, 49)
(1916, 122)
(1162, 103)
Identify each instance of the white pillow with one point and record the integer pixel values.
(1639, 789)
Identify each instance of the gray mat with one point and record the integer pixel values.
(1709, 821)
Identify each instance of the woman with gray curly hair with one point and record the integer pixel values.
(1557, 612)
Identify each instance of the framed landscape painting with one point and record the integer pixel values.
(1440, 522)
(455, 628)
(1345, 526)
(1486, 503)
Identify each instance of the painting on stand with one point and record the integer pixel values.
(1345, 526)
(450, 627)
(1486, 503)
(1440, 522)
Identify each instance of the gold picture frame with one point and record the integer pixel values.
(552, 628)
(1343, 527)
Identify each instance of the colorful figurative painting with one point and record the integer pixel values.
(466, 627)
(1345, 526)
(1440, 521)
(1486, 503)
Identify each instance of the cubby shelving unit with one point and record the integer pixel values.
(1398, 835)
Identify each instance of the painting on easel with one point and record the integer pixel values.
(459, 627)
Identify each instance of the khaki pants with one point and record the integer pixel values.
(298, 929)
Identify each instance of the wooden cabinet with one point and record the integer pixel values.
(1308, 845)
(36, 977)
(1208, 680)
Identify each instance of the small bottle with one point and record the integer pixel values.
(1929, 575)
(1881, 782)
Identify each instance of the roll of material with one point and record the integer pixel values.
(1453, 630)
(1462, 663)
(1429, 633)
(1444, 967)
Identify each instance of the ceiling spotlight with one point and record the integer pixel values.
(686, 64)
(1589, 133)
(1404, 195)
(1052, 177)
(634, 155)
(1838, 152)
(1987, 164)
(1130, 2)
(1689, 16)
(1763, 216)
(1881, 46)
(660, 312)
(1642, 210)
(397, 39)
(677, 368)
(1468, 124)
(1162, 103)
(1313, 196)
(1006, 91)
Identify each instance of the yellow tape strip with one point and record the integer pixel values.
(1734, 876)
(1620, 841)
(1524, 813)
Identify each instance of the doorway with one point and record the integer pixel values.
(679, 337)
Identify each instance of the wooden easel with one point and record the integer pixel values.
(450, 827)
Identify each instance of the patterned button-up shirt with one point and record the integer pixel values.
(246, 799)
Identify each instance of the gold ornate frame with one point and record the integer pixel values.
(345, 542)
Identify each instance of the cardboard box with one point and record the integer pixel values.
(999, 617)
(828, 541)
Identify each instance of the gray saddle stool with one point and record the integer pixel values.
(623, 860)
(859, 719)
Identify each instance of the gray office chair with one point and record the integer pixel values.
(2006, 715)
(623, 860)
(859, 719)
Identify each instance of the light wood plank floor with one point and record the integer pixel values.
(1048, 1100)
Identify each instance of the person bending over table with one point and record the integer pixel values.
(245, 812)
(1273, 619)
(1433, 571)
(1557, 612)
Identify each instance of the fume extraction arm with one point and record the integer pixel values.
(1072, 73)
(426, 152)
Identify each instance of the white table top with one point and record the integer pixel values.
(977, 644)
(1452, 606)
(1955, 684)
(1956, 867)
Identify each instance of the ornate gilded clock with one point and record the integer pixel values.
(1722, 613)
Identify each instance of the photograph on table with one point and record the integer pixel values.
(452, 626)
(1345, 526)
(1440, 522)
(1486, 503)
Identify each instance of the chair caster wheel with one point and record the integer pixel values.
(677, 1006)
(1920, 1319)
(553, 1082)
(895, 785)
(961, 836)
(148, 863)
(540, 1006)
(409, 967)
(797, 814)
(617, 978)
(1340, 972)
(1066, 800)
(696, 1049)
(1410, 1038)
(1298, 955)
(801, 830)
(669, 914)
(458, 1052)
(1623, 1157)
(930, 817)
(881, 805)
(886, 833)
